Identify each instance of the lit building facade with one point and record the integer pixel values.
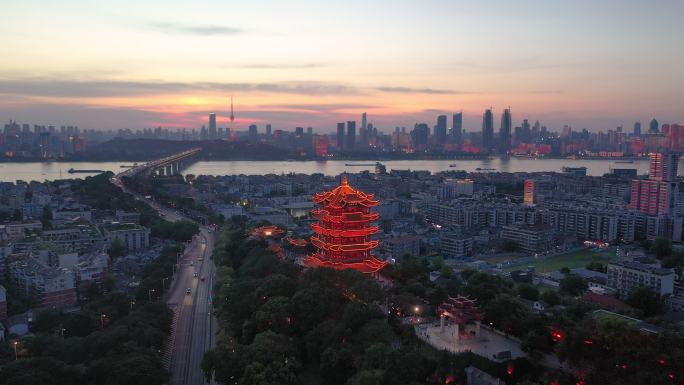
(657, 194)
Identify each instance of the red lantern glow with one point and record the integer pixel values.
(557, 335)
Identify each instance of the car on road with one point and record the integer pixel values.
(187, 291)
(192, 263)
(195, 275)
(203, 278)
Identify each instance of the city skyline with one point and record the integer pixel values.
(594, 66)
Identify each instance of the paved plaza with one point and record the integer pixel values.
(487, 344)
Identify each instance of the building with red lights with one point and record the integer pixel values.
(656, 195)
(343, 230)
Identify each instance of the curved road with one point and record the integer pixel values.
(194, 326)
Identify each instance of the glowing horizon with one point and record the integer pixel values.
(308, 63)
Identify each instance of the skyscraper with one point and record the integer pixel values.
(440, 130)
(653, 127)
(637, 128)
(419, 136)
(268, 130)
(212, 126)
(351, 135)
(340, 136)
(457, 128)
(505, 131)
(363, 132)
(253, 133)
(525, 132)
(487, 130)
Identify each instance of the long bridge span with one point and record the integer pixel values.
(171, 165)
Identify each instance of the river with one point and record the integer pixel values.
(10, 172)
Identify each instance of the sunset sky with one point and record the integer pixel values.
(136, 64)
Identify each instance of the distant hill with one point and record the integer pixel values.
(148, 149)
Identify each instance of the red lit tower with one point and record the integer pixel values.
(342, 233)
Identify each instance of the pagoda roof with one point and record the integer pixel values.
(367, 266)
(345, 195)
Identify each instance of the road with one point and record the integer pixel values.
(194, 327)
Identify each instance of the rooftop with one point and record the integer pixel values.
(632, 265)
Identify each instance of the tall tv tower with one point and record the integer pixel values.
(232, 119)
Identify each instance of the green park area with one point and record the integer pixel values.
(572, 260)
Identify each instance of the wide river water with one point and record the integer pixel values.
(10, 172)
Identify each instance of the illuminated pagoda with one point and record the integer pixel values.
(267, 231)
(462, 310)
(342, 233)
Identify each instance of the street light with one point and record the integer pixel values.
(163, 281)
(15, 350)
(102, 318)
(149, 294)
(132, 303)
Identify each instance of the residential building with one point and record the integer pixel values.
(19, 230)
(530, 239)
(455, 246)
(53, 287)
(537, 190)
(625, 276)
(405, 244)
(127, 217)
(134, 237)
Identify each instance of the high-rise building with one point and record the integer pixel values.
(657, 195)
(299, 131)
(653, 127)
(363, 132)
(212, 126)
(457, 128)
(351, 135)
(419, 136)
(320, 145)
(637, 128)
(526, 132)
(253, 133)
(487, 130)
(537, 190)
(440, 130)
(268, 130)
(663, 166)
(505, 131)
(309, 130)
(340, 136)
